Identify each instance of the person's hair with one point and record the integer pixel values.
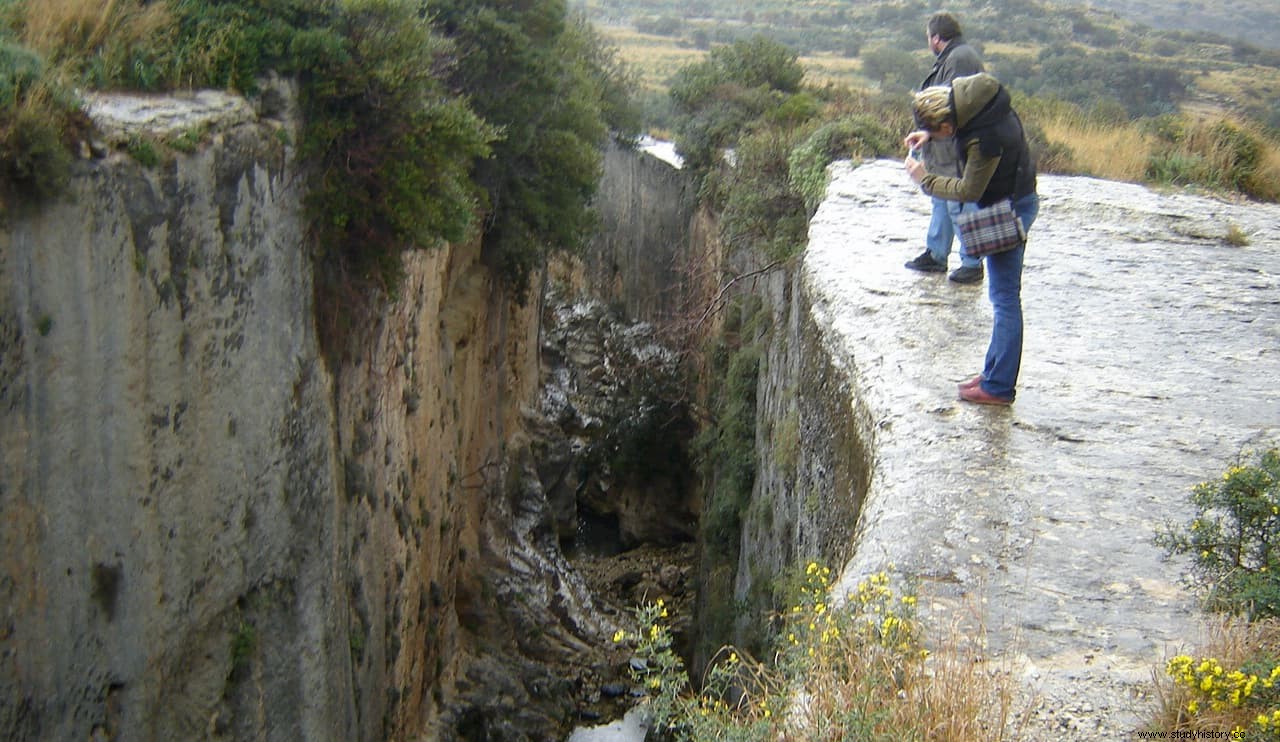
(944, 25)
(932, 107)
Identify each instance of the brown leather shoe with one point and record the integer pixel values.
(971, 383)
(977, 395)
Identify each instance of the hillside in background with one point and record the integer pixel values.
(1254, 22)
(1094, 57)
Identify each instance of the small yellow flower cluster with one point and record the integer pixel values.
(1269, 722)
(1209, 682)
(813, 616)
(1215, 689)
(875, 597)
(874, 592)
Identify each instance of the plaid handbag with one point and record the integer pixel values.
(990, 230)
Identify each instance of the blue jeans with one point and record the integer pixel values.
(1004, 287)
(942, 230)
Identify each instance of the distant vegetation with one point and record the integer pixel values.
(1104, 96)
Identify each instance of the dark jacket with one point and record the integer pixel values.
(957, 60)
(990, 144)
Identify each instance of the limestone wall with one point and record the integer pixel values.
(648, 256)
(207, 530)
(168, 459)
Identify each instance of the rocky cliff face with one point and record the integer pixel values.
(208, 530)
(168, 458)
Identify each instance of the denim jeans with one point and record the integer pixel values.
(942, 231)
(1004, 287)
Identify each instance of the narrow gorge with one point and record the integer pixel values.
(211, 529)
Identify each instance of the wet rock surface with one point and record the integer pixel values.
(1152, 345)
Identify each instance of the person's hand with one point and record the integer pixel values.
(915, 168)
(916, 139)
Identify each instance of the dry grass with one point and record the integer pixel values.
(1101, 150)
(964, 694)
(865, 679)
(655, 58)
(823, 69)
(1268, 178)
(70, 29)
(956, 693)
(658, 58)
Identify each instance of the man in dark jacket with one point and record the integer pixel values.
(955, 59)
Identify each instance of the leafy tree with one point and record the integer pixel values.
(546, 83)
(762, 209)
(717, 98)
(394, 148)
(892, 66)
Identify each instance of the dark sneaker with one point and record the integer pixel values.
(965, 274)
(925, 262)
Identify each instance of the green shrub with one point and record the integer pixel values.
(727, 451)
(858, 136)
(144, 150)
(1239, 154)
(1234, 540)
(717, 99)
(1219, 155)
(393, 147)
(20, 69)
(762, 211)
(244, 642)
(544, 80)
(230, 43)
(1172, 167)
(37, 161)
